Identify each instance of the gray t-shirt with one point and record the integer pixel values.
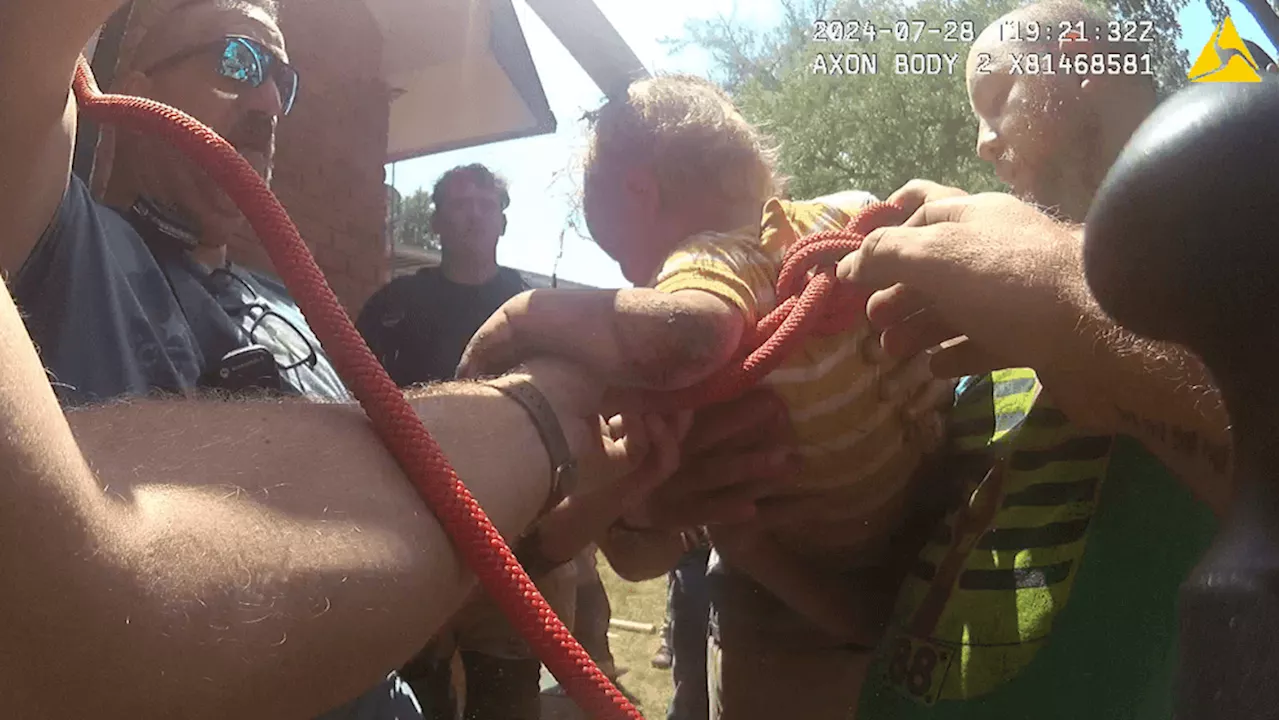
(104, 312)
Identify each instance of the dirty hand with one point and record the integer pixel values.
(495, 347)
(998, 278)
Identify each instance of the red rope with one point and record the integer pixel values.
(819, 307)
(822, 306)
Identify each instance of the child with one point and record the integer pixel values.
(680, 190)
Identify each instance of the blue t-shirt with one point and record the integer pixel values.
(103, 311)
(115, 313)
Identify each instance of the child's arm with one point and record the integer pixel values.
(632, 338)
(827, 599)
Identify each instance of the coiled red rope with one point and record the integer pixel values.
(811, 302)
(817, 307)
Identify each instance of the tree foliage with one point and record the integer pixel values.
(876, 131)
(409, 219)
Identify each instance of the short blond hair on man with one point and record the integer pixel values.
(696, 140)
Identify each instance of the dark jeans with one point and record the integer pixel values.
(496, 688)
(688, 606)
(432, 683)
(591, 622)
(392, 700)
(501, 689)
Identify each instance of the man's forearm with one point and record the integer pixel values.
(1159, 393)
(227, 559)
(283, 537)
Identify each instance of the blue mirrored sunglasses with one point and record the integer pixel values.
(247, 61)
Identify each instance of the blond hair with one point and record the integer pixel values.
(688, 129)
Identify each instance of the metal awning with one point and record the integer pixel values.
(461, 74)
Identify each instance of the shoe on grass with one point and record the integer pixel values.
(662, 659)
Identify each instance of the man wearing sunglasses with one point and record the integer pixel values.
(234, 75)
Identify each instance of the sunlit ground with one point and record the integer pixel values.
(649, 688)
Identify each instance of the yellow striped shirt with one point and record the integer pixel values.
(853, 444)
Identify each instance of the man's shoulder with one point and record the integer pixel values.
(100, 307)
(400, 289)
(512, 278)
(85, 239)
(80, 219)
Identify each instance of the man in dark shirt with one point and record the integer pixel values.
(419, 325)
(142, 299)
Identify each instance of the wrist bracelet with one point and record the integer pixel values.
(563, 466)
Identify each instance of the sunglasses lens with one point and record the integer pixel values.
(240, 62)
(245, 61)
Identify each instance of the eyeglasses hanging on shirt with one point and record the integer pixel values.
(265, 326)
(245, 343)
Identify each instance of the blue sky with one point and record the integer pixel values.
(542, 171)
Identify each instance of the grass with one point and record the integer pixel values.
(648, 687)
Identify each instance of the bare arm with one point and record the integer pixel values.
(1159, 393)
(245, 560)
(635, 337)
(39, 44)
(1107, 379)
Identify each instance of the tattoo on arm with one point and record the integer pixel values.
(1187, 442)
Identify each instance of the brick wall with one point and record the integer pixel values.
(330, 149)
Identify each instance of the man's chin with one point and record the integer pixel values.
(1026, 189)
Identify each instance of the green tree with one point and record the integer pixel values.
(841, 130)
(410, 219)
